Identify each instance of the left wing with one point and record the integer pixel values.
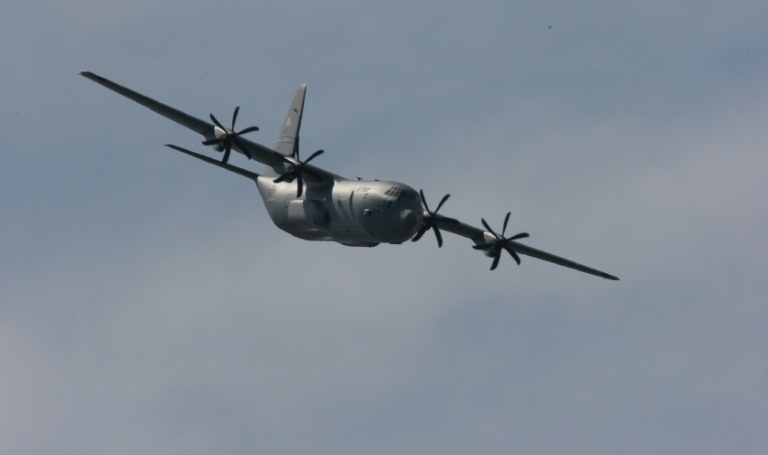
(479, 236)
(258, 152)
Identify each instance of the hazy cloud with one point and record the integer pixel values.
(149, 305)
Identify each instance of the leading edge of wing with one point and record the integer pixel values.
(258, 152)
(477, 235)
(544, 256)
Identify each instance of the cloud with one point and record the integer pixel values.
(149, 305)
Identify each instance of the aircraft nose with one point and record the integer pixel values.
(408, 220)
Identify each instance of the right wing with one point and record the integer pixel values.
(258, 152)
(479, 236)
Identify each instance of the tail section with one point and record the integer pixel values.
(288, 142)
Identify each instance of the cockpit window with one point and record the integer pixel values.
(400, 193)
(393, 191)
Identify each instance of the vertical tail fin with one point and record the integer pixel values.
(288, 142)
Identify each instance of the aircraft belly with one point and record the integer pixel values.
(342, 233)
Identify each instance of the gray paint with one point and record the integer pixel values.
(328, 207)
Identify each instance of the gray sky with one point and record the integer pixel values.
(148, 305)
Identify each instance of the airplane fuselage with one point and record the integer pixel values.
(350, 212)
(313, 204)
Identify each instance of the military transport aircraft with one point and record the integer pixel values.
(314, 204)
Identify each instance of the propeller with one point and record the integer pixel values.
(230, 136)
(430, 221)
(500, 243)
(297, 171)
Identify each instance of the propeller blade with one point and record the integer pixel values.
(485, 223)
(424, 201)
(234, 117)
(283, 178)
(250, 129)
(501, 242)
(297, 171)
(496, 258)
(512, 253)
(420, 233)
(438, 235)
(442, 201)
(429, 220)
(216, 122)
(230, 136)
(242, 147)
(313, 156)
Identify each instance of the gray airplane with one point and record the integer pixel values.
(313, 204)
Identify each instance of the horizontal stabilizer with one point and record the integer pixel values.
(237, 170)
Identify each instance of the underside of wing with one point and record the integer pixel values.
(544, 256)
(484, 240)
(248, 148)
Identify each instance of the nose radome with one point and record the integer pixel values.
(409, 219)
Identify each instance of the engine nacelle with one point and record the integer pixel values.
(217, 133)
(487, 238)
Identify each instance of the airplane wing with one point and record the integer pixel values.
(258, 152)
(478, 236)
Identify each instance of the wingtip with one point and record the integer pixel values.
(91, 75)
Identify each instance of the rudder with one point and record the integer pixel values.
(288, 141)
